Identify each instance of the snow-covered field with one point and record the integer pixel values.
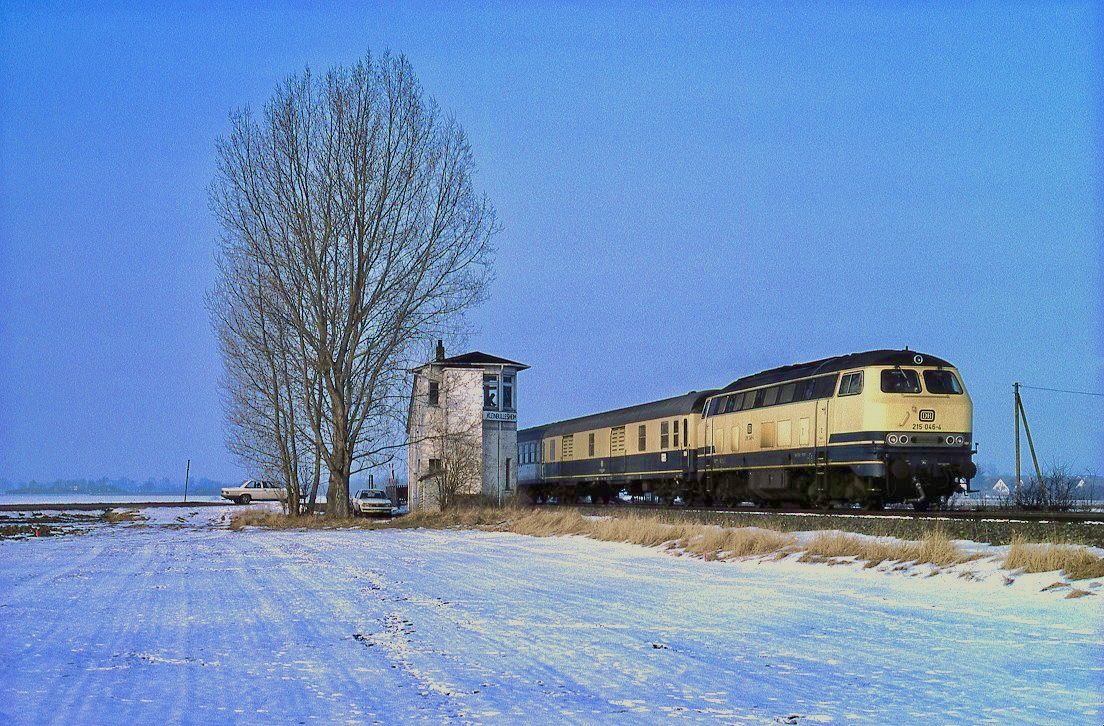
(181, 621)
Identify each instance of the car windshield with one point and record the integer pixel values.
(372, 494)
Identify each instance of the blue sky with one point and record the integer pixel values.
(688, 193)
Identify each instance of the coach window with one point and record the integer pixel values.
(552, 450)
(941, 382)
(590, 444)
(898, 380)
(664, 435)
(674, 434)
(851, 384)
(434, 393)
(685, 436)
(759, 398)
(771, 396)
(807, 390)
(787, 393)
(641, 437)
(490, 391)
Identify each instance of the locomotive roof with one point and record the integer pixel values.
(677, 406)
(836, 364)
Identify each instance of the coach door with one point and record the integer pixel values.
(617, 450)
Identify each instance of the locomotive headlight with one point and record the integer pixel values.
(893, 439)
(950, 440)
(959, 440)
(904, 439)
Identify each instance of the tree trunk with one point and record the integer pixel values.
(337, 495)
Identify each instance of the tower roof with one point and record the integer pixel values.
(477, 358)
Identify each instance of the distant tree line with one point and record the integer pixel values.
(352, 236)
(199, 487)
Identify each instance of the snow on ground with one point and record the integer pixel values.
(182, 621)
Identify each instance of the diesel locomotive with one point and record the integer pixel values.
(877, 427)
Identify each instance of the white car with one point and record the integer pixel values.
(255, 490)
(371, 502)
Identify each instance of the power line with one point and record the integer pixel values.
(1062, 390)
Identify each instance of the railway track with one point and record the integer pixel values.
(1082, 517)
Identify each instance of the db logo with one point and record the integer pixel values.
(926, 414)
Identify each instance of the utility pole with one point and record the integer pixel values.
(1022, 414)
(1030, 443)
(1016, 415)
(187, 473)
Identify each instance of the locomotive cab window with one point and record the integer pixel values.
(941, 382)
(899, 380)
(851, 384)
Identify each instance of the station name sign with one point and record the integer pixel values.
(499, 416)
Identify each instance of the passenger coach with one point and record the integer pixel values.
(874, 427)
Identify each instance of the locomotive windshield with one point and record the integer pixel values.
(898, 380)
(941, 382)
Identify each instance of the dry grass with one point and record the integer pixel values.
(731, 543)
(279, 520)
(114, 516)
(1076, 562)
(935, 549)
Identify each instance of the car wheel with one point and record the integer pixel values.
(244, 499)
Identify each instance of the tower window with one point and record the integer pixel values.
(490, 392)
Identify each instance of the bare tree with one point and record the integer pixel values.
(260, 384)
(351, 201)
(1056, 491)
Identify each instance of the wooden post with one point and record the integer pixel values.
(187, 473)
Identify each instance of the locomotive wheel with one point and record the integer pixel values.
(920, 505)
(874, 504)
